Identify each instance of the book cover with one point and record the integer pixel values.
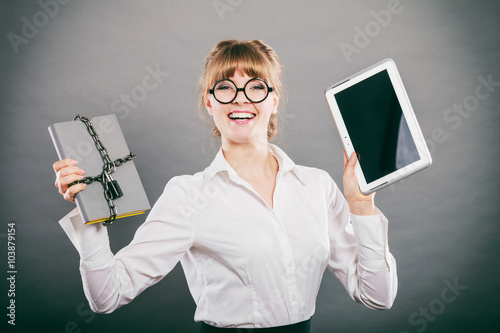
(72, 140)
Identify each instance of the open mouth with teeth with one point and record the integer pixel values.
(241, 116)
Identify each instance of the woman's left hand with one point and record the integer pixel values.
(359, 203)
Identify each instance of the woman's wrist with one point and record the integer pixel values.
(363, 208)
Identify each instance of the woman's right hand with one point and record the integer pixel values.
(66, 173)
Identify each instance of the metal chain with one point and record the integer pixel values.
(111, 204)
(120, 161)
(108, 164)
(108, 168)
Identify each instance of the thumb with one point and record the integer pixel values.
(349, 167)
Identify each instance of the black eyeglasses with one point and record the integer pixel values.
(255, 90)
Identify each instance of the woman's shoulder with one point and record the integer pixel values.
(180, 191)
(186, 181)
(313, 174)
(318, 181)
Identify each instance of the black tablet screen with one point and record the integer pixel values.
(378, 130)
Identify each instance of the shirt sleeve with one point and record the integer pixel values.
(359, 253)
(110, 281)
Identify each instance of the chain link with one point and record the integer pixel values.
(108, 168)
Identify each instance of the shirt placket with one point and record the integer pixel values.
(289, 264)
(288, 261)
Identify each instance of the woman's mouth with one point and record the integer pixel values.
(241, 117)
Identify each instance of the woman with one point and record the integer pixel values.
(254, 232)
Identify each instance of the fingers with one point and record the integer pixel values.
(70, 193)
(70, 171)
(63, 163)
(63, 182)
(66, 173)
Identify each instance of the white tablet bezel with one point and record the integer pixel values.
(416, 133)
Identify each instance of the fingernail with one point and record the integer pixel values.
(81, 171)
(73, 162)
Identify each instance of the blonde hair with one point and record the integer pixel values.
(254, 57)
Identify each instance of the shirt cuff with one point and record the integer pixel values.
(91, 240)
(371, 233)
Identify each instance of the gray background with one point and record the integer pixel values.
(443, 221)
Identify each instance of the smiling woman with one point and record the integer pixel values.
(254, 58)
(249, 106)
(262, 221)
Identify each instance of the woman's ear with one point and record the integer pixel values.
(208, 105)
(276, 102)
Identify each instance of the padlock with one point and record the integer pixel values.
(114, 188)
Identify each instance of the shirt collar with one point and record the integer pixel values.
(219, 164)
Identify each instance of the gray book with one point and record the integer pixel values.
(72, 140)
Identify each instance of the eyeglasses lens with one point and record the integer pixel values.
(255, 90)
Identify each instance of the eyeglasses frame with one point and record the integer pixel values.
(269, 89)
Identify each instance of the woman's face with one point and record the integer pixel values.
(242, 121)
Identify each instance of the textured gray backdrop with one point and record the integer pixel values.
(59, 59)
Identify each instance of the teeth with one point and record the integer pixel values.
(241, 115)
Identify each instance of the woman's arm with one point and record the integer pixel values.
(359, 251)
(110, 281)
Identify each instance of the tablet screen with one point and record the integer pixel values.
(377, 127)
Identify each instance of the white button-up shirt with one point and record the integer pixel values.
(246, 264)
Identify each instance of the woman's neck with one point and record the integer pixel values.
(251, 161)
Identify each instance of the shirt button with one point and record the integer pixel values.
(289, 263)
(280, 229)
(294, 297)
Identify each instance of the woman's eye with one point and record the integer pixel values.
(257, 87)
(223, 87)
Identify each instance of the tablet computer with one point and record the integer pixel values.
(375, 119)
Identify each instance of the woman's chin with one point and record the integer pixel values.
(244, 137)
